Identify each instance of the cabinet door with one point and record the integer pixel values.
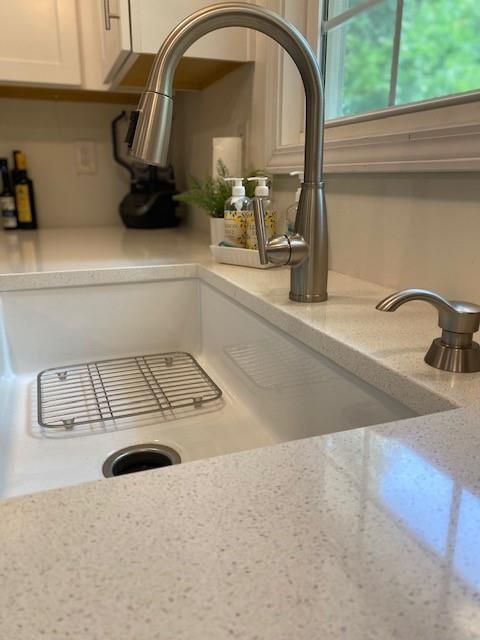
(152, 21)
(115, 36)
(39, 42)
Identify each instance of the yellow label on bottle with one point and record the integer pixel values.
(20, 161)
(24, 211)
(270, 227)
(235, 228)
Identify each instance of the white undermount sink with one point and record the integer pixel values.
(273, 388)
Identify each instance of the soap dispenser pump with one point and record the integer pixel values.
(261, 191)
(238, 188)
(292, 209)
(236, 209)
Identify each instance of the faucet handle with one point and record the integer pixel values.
(455, 351)
(260, 227)
(279, 250)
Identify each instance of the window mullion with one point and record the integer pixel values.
(349, 14)
(392, 96)
(333, 66)
(322, 37)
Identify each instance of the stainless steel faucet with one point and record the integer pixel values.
(306, 250)
(455, 351)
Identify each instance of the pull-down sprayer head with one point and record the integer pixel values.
(150, 128)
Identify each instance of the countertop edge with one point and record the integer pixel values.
(95, 276)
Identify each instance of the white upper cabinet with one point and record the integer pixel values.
(134, 27)
(39, 42)
(116, 42)
(152, 21)
(106, 44)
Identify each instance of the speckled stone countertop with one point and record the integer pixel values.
(47, 250)
(370, 533)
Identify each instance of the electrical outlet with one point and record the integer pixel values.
(85, 157)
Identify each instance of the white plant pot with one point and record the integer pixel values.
(217, 230)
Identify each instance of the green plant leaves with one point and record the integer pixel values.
(210, 193)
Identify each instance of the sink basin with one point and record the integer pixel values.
(273, 387)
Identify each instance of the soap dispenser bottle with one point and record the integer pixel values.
(292, 209)
(261, 191)
(236, 210)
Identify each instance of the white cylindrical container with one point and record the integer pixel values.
(229, 151)
(217, 230)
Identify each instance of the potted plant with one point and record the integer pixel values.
(210, 195)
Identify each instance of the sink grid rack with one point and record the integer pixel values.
(105, 390)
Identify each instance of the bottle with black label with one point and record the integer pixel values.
(24, 197)
(8, 210)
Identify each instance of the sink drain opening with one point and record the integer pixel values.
(139, 457)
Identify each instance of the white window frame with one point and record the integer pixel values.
(432, 136)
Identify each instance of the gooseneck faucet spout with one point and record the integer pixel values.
(306, 251)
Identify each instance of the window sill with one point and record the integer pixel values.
(440, 139)
(429, 139)
(448, 148)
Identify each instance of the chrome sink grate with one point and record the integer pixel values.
(121, 388)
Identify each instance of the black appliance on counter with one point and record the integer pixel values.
(150, 203)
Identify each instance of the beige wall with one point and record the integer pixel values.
(47, 132)
(404, 230)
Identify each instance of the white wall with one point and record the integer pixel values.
(47, 132)
(408, 230)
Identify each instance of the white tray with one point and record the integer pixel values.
(239, 257)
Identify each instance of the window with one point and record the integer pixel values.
(402, 86)
(384, 53)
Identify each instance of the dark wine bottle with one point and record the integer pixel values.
(8, 209)
(24, 196)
